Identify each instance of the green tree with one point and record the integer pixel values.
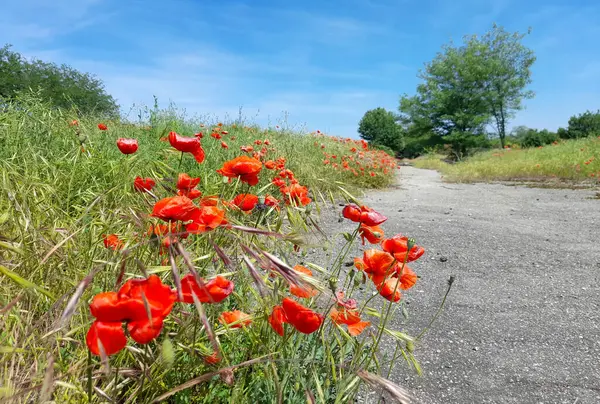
(378, 126)
(448, 102)
(502, 68)
(464, 88)
(62, 86)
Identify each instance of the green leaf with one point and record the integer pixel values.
(24, 283)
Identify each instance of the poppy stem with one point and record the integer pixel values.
(180, 160)
(439, 310)
(89, 376)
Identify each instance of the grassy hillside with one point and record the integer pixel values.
(573, 160)
(66, 186)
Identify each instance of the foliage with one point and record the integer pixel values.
(460, 144)
(582, 125)
(464, 87)
(63, 86)
(503, 70)
(386, 149)
(572, 160)
(448, 100)
(66, 185)
(528, 137)
(379, 127)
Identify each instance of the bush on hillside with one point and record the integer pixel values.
(582, 125)
(537, 138)
(463, 144)
(62, 86)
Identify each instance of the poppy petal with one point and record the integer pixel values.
(109, 334)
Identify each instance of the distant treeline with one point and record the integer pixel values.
(60, 86)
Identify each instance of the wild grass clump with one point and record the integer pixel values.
(172, 274)
(572, 161)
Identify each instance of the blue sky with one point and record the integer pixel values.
(318, 64)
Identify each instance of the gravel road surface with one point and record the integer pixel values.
(522, 322)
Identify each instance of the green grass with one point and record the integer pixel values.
(64, 187)
(565, 161)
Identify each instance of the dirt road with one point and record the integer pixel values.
(522, 323)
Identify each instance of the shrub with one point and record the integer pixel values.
(461, 144)
(535, 138)
(583, 125)
(416, 146)
(384, 148)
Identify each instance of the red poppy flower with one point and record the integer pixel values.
(286, 174)
(144, 331)
(277, 319)
(212, 200)
(301, 318)
(351, 318)
(302, 291)
(212, 359)
(158, 297)
(107, 307)
(240, 318)
(390, 289)
(173, 208)
(363, 215)
(74, 122)
(373, 234)
(398, 246)
(267, 142)
(244, 167)
(113, 242)
(216, 135)
(247, 149)
(280, 163)
(278, 182)
(187, 145)
(162, 229)
(297, 194)
(378, 262)
(359, 264)
(224, 132)
(102, 126)
(271, 200)
(143, 184)
(407, 277)
(190, 193)
(185, 182)
(109, 334)
(127, 146)
(370, 217)
(269, 165)
(215, 290)
(351, 212)
(199, 135)
(224, 145)
(246, 202)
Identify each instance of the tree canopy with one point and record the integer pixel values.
(378, 126)
(465, 88)
(62, 86)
